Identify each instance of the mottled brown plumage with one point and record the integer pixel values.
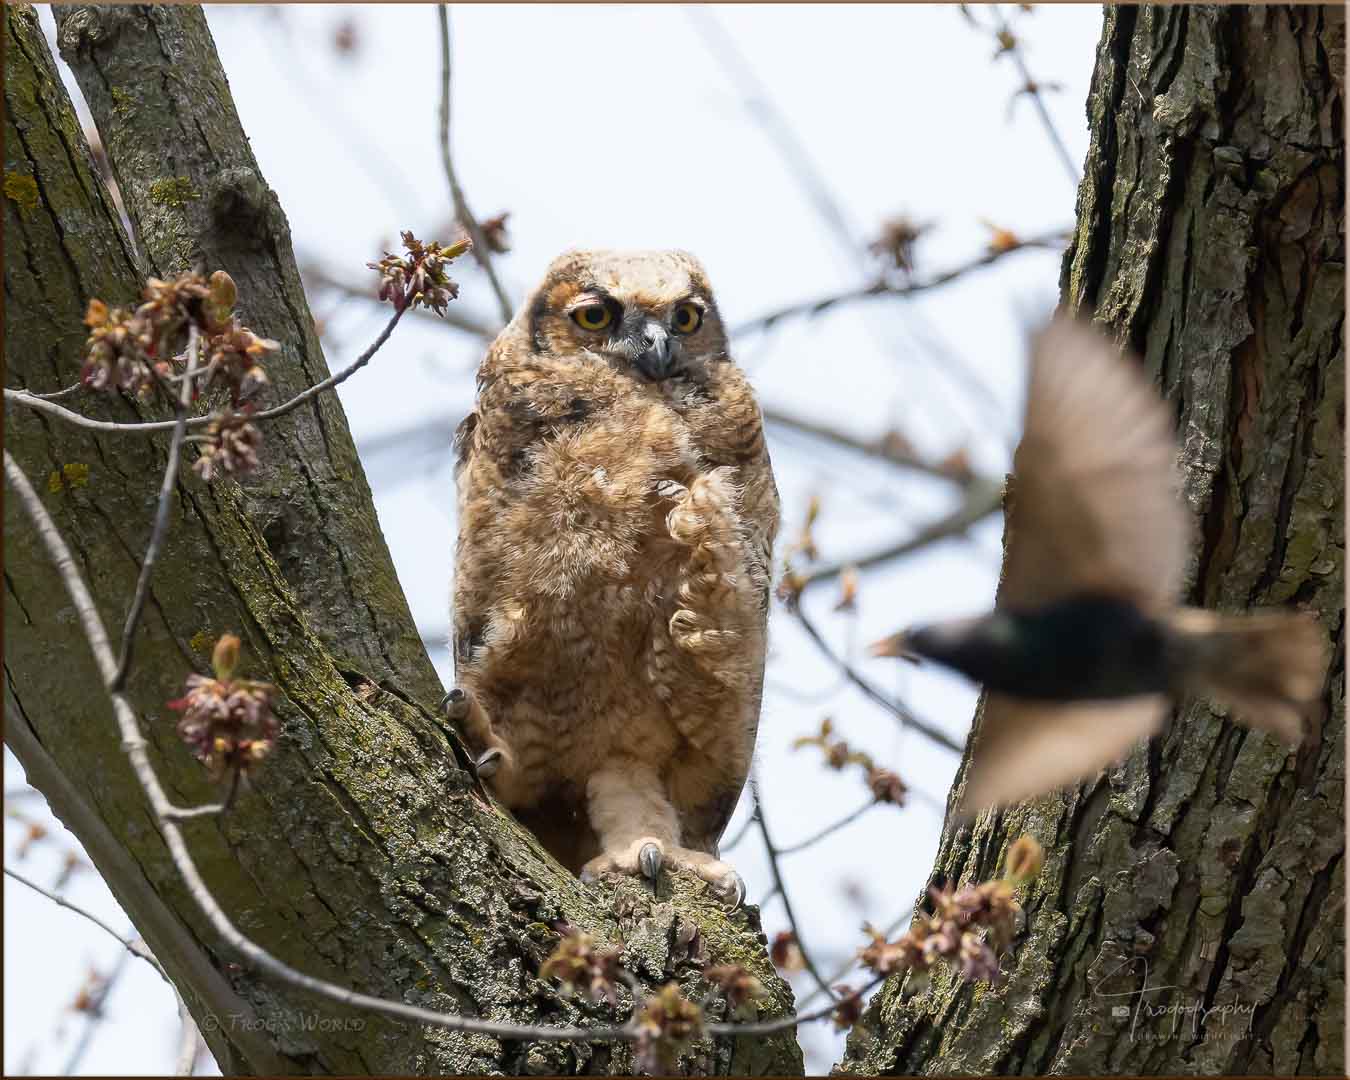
(617, 513)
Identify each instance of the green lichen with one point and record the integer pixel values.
(173, 191)
(74, 475)
(122, 101)
(22, 189)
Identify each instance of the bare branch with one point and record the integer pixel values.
(779, 887)
(334, 380)
(983, 498)
(57, 395)
(884, 288)
(480, 249)
(161, 526)
(887, 448)
(23, 397)
(189, 1041)
(315, 275)
(816, 837)
(132, 945)
(781, 131)
(906, 718)
(1033, 90)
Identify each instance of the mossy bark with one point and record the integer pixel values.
(362, 852)
(1208, 870)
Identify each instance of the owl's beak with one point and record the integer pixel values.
(655, 361)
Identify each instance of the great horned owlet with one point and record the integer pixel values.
(617, 511)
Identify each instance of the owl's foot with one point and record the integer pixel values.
(455, 704)
(647, 857)
(494, 759)
(488, 762)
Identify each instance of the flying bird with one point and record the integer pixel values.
(1087, 645)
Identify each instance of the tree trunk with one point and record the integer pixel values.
(362, 853)
(1207, 870)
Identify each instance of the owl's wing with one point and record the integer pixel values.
(1094, 503)
(1024, 748)
(759, 512)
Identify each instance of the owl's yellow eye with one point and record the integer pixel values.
(593, 317)
(687, 318)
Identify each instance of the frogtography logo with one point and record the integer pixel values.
(1159, 1012)
(277, 1025)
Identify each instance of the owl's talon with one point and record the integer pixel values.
(732, 889)
(650, 859)
(489, 761)
(455, 704)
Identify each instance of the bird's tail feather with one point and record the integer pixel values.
(1269, 667)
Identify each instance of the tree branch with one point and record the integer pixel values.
(780, 888)
(455, 317)
(32, 401)
(1033, 90)
(884, 288)
(888, 448)
(833, 827)
(480, 249)
(133, 946)
(906, 718)
(982, 499)
(161, 526)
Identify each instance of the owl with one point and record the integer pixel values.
(617, 513)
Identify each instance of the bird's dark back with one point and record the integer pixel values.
(1085, 647)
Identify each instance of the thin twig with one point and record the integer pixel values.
(983, 498)
(189, 1041)
(768, 1027)
(907, 718)
(902, 920)
(94, 1013)
(57, 395)
(479, 250)
(781, 130)
(1033, 90)
(741, 834)
(816, 837)
(883, 288)
(134, 745)
(334, 380)
(22, 397)
(161, 526)
(886, 448)
(132, 945)
(780, 888)
(315, 275)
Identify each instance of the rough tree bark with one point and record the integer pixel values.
(1210, 236)
(363, 852)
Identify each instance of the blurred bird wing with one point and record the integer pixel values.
(1094, 503)
(1028, 748)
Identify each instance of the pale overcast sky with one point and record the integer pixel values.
(619, 126)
